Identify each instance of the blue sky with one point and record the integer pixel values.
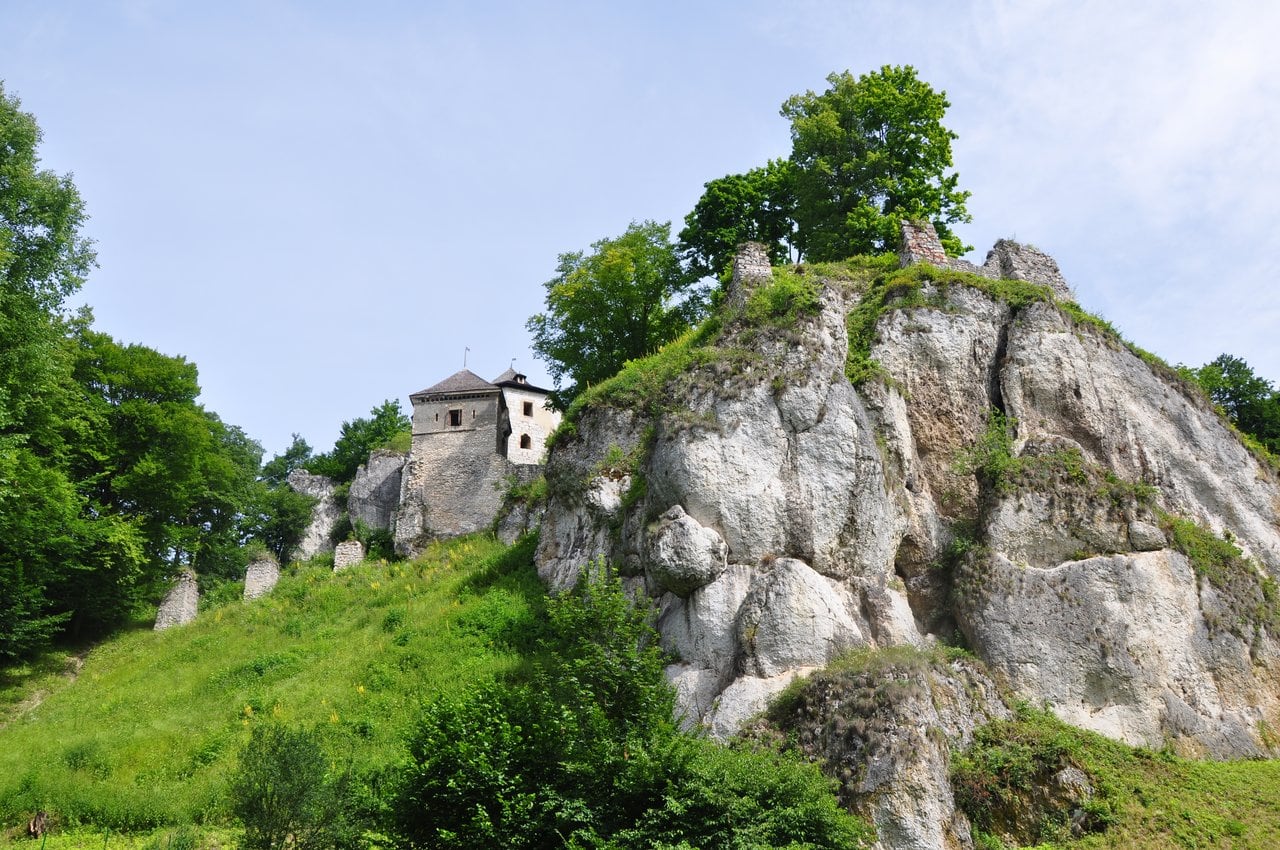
(323, 204)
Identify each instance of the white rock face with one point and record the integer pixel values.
(260, 577)
(683, 555)
(181, 604)
(324, 515)
(374, 496)
(851, 517)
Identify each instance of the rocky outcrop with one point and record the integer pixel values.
(325, 514)
(885, 725)
(260, 577)
(374, 496)
(181, 604)
(1009, 479)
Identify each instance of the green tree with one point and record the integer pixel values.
(357, 438)
(758, 206)
(866, 153)
(275, 472)
(286, 795)
(1250, 401)
(586, 754)
(43, 259)
(621, 301)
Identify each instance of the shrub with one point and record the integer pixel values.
(284, 794)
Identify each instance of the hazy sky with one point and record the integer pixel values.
(323, 204)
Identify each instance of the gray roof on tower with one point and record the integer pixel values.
(509, 375)
(464, 381)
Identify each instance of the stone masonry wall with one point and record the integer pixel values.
(180, 604)
(260, 577)
(453, 484)
(1007, 260)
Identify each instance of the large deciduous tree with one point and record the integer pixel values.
(357, 438)
(1250, 401)
(758, 206)
(620, 301)
(867, 153)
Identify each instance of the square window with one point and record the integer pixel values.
(528, 408)
(455, 418)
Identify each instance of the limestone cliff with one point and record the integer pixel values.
(1005, 473)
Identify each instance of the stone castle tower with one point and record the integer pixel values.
(471, 438)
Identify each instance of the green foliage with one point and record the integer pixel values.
(642, 384)
(277, 517)
(620, 302)
(165, 714)
(285, 794)
(1249, 596)
(275, 472)
(867, 153)
(359, 437)
(784, 300)
(999, 780)
(758, 206)
(1142, 800)
(1250, 402)
(583, 753)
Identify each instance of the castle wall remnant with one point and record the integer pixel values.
(751, 268)
(348, 553)
(180, 604)
(260, 577)
(1007, 260)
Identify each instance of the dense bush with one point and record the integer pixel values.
(285, 794)
(583, 753)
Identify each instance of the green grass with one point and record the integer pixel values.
(148, 733)
(1143, 800)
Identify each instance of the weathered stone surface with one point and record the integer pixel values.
(348, 553)
(260, 577)
(181, 604)
(325, 515)
(887, 731)
(1014, 261)
(794, 618)
(849, 518)
(374, 496)
(1119, 644)
(683, 555)
(1145, 537)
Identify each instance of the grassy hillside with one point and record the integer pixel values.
(148, 732)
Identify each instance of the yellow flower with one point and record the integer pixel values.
(359, 689)
(374, 585)
(248, 711)
(333, 718)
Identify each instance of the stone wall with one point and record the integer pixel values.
(920, 244)
(479, 412)
(453, 484)
(180, 604)
(260, 577)
(750, 268)
(324, 516)
(374, 496)
(1007, 260)
(348, 553)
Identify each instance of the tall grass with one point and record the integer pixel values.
(149, 732)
